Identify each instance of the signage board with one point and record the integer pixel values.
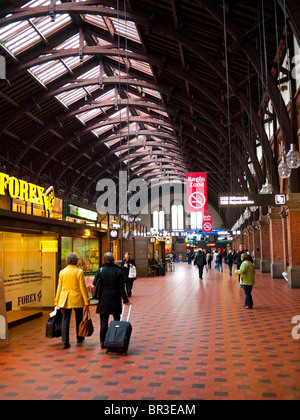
(26, 191)
(81, 213)
(207, 223)
(246, 200)
(196, 183)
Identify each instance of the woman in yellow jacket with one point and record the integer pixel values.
(247, 273)
(71, 293)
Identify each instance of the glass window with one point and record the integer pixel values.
(177, 213)
(196, 220)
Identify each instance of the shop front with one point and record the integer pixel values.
(37, 231)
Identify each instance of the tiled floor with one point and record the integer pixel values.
(191, 339)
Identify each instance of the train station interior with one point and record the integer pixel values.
(168, 130)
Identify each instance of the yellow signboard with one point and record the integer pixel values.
(26, 191)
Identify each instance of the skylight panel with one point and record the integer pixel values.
(126, 29)
(88, 115)
(95, 20)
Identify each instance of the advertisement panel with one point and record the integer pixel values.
(196, 192)
(207, 223)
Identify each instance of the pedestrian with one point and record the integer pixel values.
(71, 294)
(128, 262)
(219, 261)
(247, 273)
(209, 260)
(112, 292)
(229, 261)
(238, 258)
(200, 262)
(189, 257)
(215, 254)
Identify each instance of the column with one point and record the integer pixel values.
(264, 236)
(276, 243)
(293, 231)
(256, 245)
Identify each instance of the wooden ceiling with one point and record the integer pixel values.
(142, 87)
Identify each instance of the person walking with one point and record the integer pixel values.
(112, 292)
(200, 262)
(219, 261)
(247, 273)
(128, 262)
(209, 260)
(229, 261)
(71, 294)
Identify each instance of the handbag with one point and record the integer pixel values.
(97, 290)
(53, 325)
(132, 272)
(86, 327)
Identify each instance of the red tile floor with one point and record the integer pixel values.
(191, 339)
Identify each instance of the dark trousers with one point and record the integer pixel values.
(104, 325)
(66, 317)
(200, 271)
(129, 285)
(248, 296)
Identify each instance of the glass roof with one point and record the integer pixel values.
(19, 37)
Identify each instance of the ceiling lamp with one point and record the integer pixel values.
(283, 169)
(247, 214)
(293, 158)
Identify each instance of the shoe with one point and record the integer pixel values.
(80, 340)
(66, 346)
(102, 346)
(248, 307)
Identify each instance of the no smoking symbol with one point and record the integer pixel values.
(197, 200)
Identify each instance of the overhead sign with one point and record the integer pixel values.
(207, 223)
(81, 213)
(196, 192)
(26, 191)
(246, 200)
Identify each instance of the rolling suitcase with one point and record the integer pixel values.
(118, 334)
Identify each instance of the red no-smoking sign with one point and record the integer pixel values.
(207, 223)
(196, 192)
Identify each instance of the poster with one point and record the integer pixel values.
(196, 192)
(207, 223)
(3, 320)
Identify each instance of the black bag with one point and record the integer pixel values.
(118, 335)
(96, 292)
(53, 325)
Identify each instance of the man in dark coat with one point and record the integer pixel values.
(200, 262)
(111, 292)
(126, 264)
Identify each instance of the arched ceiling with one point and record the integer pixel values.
(97, 85)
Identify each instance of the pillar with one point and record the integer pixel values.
(264, 237)
(284, 239)
(276, 243)
(256, 245)
(246, 238)
(293, 232)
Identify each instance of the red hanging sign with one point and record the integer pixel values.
(207, 223)
(196, 192)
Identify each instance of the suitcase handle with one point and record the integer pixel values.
(129, 311)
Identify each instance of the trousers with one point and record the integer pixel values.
(65, 326)
(104, 325)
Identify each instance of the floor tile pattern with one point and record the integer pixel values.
(191, 339)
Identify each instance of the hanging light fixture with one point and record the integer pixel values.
(293, 158)
(283, 169)
(247, 214)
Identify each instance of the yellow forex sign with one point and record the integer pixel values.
(31, 193)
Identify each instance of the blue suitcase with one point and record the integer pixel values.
(118, 334)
